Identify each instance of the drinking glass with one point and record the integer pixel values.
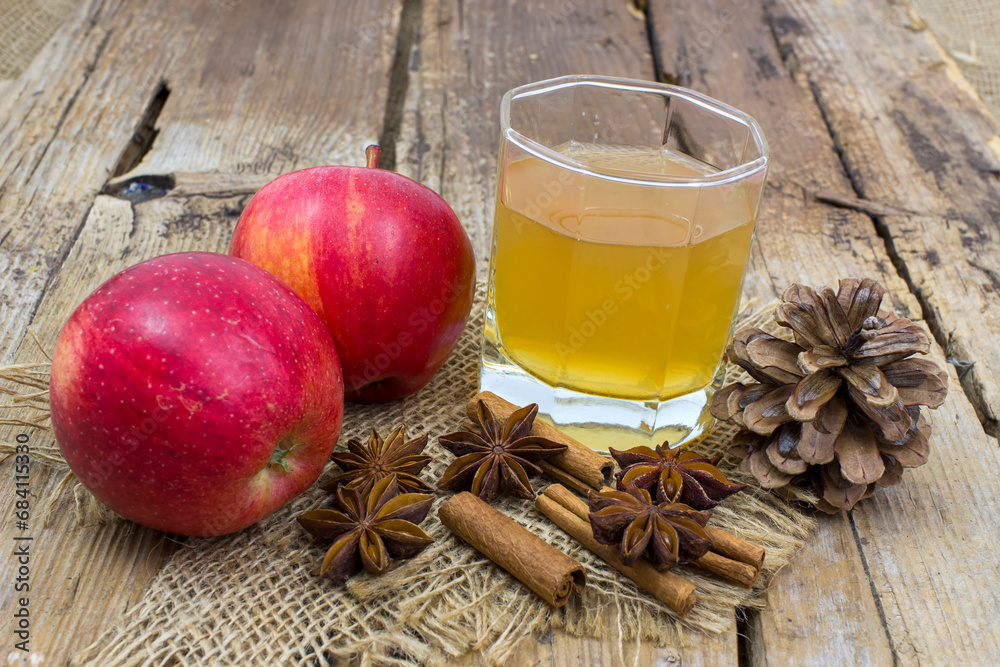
(624, 217)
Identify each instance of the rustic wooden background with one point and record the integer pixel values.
(885, 164)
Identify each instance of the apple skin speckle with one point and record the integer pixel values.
(174, 448)
(384, 261)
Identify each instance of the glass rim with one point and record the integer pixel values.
(541, 151)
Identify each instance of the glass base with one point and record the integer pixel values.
(600, 422)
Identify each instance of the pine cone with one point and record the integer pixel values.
(837, 410)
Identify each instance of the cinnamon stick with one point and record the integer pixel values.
(578, 460)
(563, 477)
(666, 587)
(732, 547)
(733, 570)
(716, 563)
(736, 548)
(550, 573)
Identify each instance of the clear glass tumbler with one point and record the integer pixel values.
(624, 217)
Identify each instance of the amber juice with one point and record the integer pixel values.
(611, 289)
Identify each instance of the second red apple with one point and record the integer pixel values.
(382, 259)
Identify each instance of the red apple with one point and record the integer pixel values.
(382, 259)
(195, 393)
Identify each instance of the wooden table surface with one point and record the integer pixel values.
(884, 163)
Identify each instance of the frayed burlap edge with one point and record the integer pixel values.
(255, 598)
(26, 409)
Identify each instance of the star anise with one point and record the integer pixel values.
(367, 530)
(676, 475)
(364, 465)
(500, 455)
(668, 533)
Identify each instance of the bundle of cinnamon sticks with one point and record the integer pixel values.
(732, 558)
(551, 574)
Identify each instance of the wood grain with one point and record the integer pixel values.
(841, 600)
(913, 134)
(255, 88)
(724, 48)
(261, 90)
(63, 126)
(820, 610)
(250, 95)
(566, 649)
(469, 55)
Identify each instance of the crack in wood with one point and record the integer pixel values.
(140, 188)
(145, 132)
(407, 47)
(875, 594)
(442, 172)
(744, 627)
(53, 272)
(87, 71)
(870, 206)
(654, 44)
(878, 219)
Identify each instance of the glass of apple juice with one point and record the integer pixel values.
(624, 217)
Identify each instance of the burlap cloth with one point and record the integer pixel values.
(255, 598)
(969, 30)
(25, 26)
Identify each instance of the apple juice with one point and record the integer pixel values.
(613, 287)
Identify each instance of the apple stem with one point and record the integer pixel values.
(279, 456)
(373, 153)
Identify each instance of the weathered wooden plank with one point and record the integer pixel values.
(119, 560)
(725, 49)
(929, 546)
(247, 89)
(561, 648)
(63, 124)
(701, 651)
(820, 610)
(467, 56)
(257, 89)
(270, 87)
(914, 134)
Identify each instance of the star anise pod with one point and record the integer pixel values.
(499, 456)
(676, 475)
(364, 464)
(367, 530)
(667, 533)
